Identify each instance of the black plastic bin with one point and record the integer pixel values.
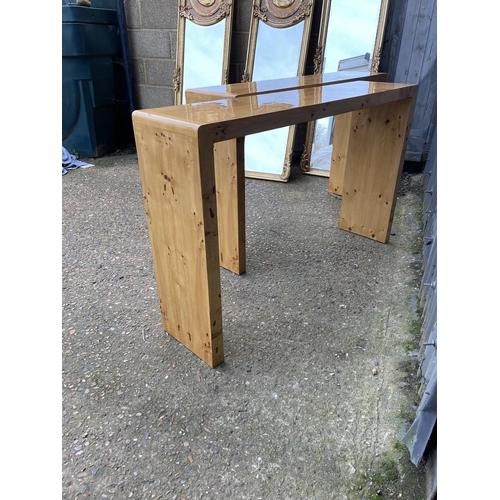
(90, 41)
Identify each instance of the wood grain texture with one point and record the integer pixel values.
(341, 133)
(231, 118)
(373, 166)
(230, 184)
(183, 233)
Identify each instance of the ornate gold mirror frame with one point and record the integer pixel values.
(203, 44)
(363, 22)
(277, 48)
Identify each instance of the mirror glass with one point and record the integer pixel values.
(279, 35)
(203, 56)
(277, 54)
(203, 45)
(351, 33)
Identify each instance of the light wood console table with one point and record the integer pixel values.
(176, 162)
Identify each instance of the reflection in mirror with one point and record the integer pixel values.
(203, 45)
(207, 58)
(350, 35)
(277, 52)
(277, 48)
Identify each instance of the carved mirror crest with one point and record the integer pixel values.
(203, 44)
(350, 39)
(277, 48)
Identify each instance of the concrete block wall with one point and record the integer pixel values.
(152, 38)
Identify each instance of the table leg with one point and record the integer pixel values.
(178, 184)
(375, 157)
(339, 152)
(230, 182)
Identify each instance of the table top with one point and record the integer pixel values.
(243, 89)
(232, 118)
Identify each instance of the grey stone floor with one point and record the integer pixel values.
(320, 333)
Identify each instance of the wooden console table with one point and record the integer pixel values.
(228, 154)
(176, 161)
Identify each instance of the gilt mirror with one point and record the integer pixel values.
(203, 45)
(277, 48)
(350, 39)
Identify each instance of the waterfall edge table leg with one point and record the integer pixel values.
(341, 133)
(178, 184)
(230, 183)
(375, 158)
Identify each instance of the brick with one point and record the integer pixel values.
(150, 43)
(159, 14)
(154, 96)
(132, 16)
(138, 72)
(159, 71)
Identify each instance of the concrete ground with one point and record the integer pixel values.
(319, 380)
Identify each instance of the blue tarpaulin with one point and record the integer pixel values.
(70, 162)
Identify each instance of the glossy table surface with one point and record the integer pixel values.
(243, 89)
(228, 113)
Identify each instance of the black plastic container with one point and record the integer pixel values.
(90, 44)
